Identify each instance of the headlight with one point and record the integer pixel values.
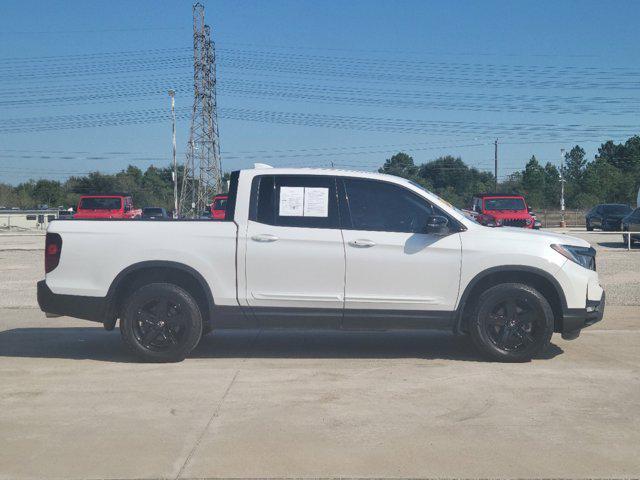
(583, 256)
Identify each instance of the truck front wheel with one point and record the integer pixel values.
(512, 322)
(161, 322)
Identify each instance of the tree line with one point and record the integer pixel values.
(613, 175)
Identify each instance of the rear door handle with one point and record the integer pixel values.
(362, 243)
(264, 237)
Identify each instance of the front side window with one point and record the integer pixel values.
(384, 207)
(294, 201)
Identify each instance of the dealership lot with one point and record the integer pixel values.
(74, 404)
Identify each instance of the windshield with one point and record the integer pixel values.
(220, 204)
(617, 209)
(153, 211)
(504, 204)
(461, 212)
(100, 203)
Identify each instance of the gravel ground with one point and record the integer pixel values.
(21, 265)
(618, 268)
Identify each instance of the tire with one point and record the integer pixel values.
(161, 322)
(511, 322)
(589, 227)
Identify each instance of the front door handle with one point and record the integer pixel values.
(362, 243)
(264, 237)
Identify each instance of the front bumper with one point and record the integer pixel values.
(87, 308)
(575, 319)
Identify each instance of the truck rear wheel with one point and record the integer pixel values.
(161, 322)
(512, 322)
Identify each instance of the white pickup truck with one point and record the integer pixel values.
(314, 248)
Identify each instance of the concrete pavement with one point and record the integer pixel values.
(74, 404)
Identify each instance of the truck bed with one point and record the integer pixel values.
(94, 252)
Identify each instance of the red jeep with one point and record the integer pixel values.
(106, 206)
(219, 207)
(499, 209)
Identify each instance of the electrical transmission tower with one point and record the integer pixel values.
(202, 169)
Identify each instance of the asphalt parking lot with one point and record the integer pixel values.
(74, 404)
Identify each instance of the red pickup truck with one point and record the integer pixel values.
(499, 209)
(106, 206)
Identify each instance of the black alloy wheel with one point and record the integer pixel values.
(161, 323)
(512, 322)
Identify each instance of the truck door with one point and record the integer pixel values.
(295, 259)
(394, 269)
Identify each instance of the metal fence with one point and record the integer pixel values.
(26, 220)
(552, 218)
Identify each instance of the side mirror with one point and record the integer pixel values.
(437, 225)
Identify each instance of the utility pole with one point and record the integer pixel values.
(172, 94)
(563, 224)
(202, 177)
(495, 159)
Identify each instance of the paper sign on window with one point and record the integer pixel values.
(291, 201)
(304, 202)
(316, 202)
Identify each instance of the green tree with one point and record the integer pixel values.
(533, 182)
(400, 165)
(454, 180)
(574, 164)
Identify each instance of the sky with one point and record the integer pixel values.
(310, 83)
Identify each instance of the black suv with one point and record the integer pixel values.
(607, 216)
(631, 223)
(154, 213)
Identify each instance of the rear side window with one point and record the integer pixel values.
(384, 207)
(294, 201)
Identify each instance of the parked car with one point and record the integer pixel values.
(498, 209)
(332, 249)
(154, 213)
(65, 214)
(114, 206)
(607, 216)
(536, 223)
(631, 223)
(218, 207)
